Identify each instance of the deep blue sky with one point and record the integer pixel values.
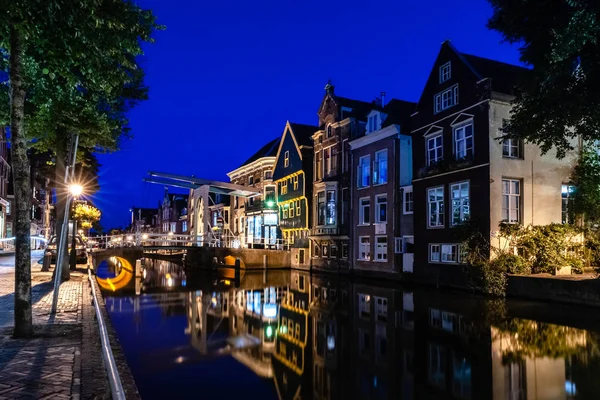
(226, 75)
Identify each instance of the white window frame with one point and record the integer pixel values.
(361, 211)
(443, 250)
(268, 171)
(284, 189)
(360, 168)
(291, 210)
(381, 308)
(286, 159)
(435, 248)
(361, 247)
(461, 199)
(297, 207)
(440, 205)
(381, 249)
(327, 161)
(445, 99)
(286, 209)
(364, 304)
(399, 245)
(445, 72)
(512, 148)
(295, 180)
(377, 168)
(377, 210)
(509, 195)
(408, 190)
(463, 128)
(435, 148)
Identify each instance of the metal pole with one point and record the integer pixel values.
(60, 256)
(65, 227)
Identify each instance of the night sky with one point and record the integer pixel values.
(226, 75)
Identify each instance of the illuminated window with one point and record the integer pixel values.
(567, 194)
(381, 208)
(286, 159)
(364, 171)
(297, 207)
(268, 174)
(295, 180)
(286, 209)
(460, 202)
(435, 203)
(381, 248)
(292, 210)
(511, 200)
(380, 168)
(284, 188)
(330, 217)
(364, 305)
(364, 248)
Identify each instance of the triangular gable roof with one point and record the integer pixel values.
(359, 108)
(398, 111)
(304, 133)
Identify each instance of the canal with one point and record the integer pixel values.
(290, 334)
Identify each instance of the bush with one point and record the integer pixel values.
(511, 264)
(576, 264)
(494, 279)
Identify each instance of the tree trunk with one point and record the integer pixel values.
(62, 139)
(22, 189)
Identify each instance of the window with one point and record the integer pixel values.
(435, 206)
(445, 72)
(364, 305)
(269, 196)
(511, 200)
(407, 205)
(269, 174)
(381, 308)
(327, 158)
(450, 253)
(364, 217)
(446, 99)
(330, 217)
(344, 250)
(381, 248)
(286, 159)
(297, 207)
(284, 187)
(460, 202)
(398, 245)
(364, 171)
(567, 193)
(437, 365)
(461, 377)
(295, 180)
(250, 180)
(434, 253)
(329, 131)
(511, 147)
(286, 209)
(434, 150)
(381, 208)
(463, 142)
(292, 210)
(380, 168)
(364, 248)
(373, 123)
(321, 211)
(184, 226)
(319, 166)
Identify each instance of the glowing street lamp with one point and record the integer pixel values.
(75, 189)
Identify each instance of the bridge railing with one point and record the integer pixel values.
(179, 240)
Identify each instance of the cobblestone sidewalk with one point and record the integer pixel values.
(63, 360)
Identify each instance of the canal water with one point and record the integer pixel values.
(290, 334)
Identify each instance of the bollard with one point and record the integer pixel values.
(46, 262)
(264, 261)
(238, 271)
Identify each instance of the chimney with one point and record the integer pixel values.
(382, 99)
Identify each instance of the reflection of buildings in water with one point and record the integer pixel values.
(329, 311)
(292, 357)
(519, 372)
(163, 274)
(239, 322)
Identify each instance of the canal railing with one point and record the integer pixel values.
(114, 380)
(181, 240)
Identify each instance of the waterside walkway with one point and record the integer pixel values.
(63, 360)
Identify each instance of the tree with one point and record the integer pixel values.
(560, 99)
(586, 180)
(71, 67)
(86, 214)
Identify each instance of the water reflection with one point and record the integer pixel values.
(291, 335)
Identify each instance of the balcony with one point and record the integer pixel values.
(259, 205)
(328, 231)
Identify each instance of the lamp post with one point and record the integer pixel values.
(74, 191)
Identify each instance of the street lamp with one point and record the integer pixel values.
(75, 189)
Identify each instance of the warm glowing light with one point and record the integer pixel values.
(75, 189)
(269, 331)
(145, 236)
(144, 274)
(270, 203)
(169, 282)
(170, 233)
(179, 360)
(213, 301)
(129, 238)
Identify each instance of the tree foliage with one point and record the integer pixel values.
(559, 39)
(586, 179)
(86, 215)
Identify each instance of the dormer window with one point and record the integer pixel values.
(286, 159)
(373, 123)
(445, 72)
(250, 180)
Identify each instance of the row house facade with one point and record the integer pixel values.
(340, 120)
(464, 171)
(255, 220)
(382, 204)
(172, 213)
(292, 175)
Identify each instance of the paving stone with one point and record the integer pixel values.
(49, 365)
